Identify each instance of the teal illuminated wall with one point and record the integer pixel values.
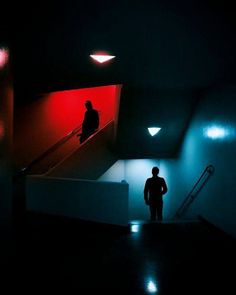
(211, 139)
(201, 147)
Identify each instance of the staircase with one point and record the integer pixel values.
(69, 187)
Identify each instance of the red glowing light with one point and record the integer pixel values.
(57, 113)
(4, 55)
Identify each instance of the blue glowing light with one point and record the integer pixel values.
(216, 132)
(135, 228)
(151, 287)
(219, 132)
(153, 130)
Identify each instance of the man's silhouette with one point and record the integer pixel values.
(90, 123)
(155, 188)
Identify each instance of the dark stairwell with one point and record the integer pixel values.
(53, 254)
(189, 48)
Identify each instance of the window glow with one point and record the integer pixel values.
(101, 58)
(151, 287)
(153, 130)
(4, 55)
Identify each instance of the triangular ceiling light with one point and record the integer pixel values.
(153, 130)
(101, 58)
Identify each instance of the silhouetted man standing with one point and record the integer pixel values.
(155, 188)
(90, 123)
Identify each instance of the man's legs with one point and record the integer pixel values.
(153, 211)
(159, 210)
(83, 137)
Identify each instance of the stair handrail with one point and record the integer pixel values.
(208, 172)
(55, 146)
(83, 143)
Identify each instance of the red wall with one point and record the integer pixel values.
(51, 116)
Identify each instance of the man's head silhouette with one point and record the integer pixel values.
(88, 105)
(155, 171)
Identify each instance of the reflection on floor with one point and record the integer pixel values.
(49, 254)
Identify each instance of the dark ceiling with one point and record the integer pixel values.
(167, 54)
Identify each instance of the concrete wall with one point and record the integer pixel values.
(211, 139)
(135, 173)
(105, 202)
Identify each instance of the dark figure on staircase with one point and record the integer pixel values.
(90, 123)
(155, 188)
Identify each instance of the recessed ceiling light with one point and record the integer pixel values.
(101, 58)
(153, 130)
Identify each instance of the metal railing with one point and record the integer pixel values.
(203, 179)
(55, 164)
(76, 131)
(50, 150)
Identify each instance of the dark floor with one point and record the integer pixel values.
(48, 254)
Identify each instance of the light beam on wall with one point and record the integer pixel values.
(219, 132)
(101, 58)
(216, 132)
(153, 130)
